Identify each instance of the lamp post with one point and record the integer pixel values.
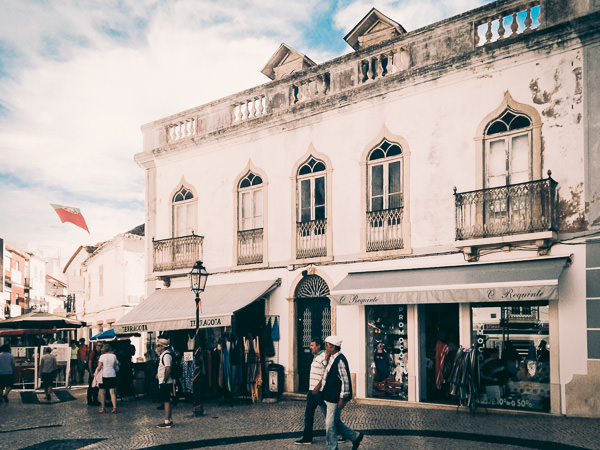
(198, 277)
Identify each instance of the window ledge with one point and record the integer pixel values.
(385, 254)
(319, 259)
(241, 267)
(541, 240)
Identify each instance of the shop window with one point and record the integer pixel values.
(387, 354)
(511, 342)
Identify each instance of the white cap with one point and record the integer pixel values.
(334, 340)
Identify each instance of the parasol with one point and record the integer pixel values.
(39, 320)
(109, 335)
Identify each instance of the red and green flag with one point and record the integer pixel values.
(70, 214)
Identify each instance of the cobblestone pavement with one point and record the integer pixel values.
(73, 424)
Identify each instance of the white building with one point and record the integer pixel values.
(107, 280)
(393, 196)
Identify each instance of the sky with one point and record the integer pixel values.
(79, 77)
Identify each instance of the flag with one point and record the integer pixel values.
(70, 214)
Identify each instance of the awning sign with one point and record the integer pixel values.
(517, 281)
(209, 322)
(449, 295)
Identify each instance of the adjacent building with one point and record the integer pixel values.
(106, 280)
(431, 191)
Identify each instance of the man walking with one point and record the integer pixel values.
(165, 382)
(313, 397)
(337, 391)
(7, 370)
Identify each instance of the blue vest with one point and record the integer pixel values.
(333, 383)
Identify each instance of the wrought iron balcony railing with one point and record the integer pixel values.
(250, 246)
(177, 253)
(311, 239)
(384, 230)
(514, 209)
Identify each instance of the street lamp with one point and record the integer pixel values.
(198, 277)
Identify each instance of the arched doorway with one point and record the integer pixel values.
(313, 320)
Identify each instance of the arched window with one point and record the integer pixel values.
(311, 191)
(250, 202)
(311, 209)
(508, 143)
(184, 212)
(385, 197)
(250, 235)
(385, 177)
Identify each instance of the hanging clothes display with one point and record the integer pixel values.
(275, 330)
(236, 358)
(188, 366)
(253, 369)
(464, 378)
(226, 348)
(267, 340)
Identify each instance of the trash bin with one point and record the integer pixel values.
(275, 387)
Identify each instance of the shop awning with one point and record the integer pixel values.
(529, 280)
(175, 309)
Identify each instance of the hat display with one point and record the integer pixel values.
(163, 342)
(334, 340)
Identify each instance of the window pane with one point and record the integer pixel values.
(319, 191)
(394, 178)
(258, 208)
(395, 201)
(520, 159)
(377, 203)
(496, 163)
(319, 212)
(305, 200)
(376, 180)
(184, 218)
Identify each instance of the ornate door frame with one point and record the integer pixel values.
(311, 302)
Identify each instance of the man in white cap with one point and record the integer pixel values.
(165, 382)
(336, 389)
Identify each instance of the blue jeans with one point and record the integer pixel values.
(335, 426)
(312, 401)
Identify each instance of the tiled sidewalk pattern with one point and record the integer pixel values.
(73, 424)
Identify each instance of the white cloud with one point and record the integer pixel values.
(78, 78)
(89, 74)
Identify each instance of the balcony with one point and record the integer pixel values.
(311, 239)
(176, 253)
(529, 207)
(384, 230)
(250, 247)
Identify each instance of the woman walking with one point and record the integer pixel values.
(109, 366)
(47, 371)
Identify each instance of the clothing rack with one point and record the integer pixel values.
(464, 379)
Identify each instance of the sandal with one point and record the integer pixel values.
(102, 410)
(114, 411)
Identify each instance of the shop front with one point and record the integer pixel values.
(429, 330)
(232, 324)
